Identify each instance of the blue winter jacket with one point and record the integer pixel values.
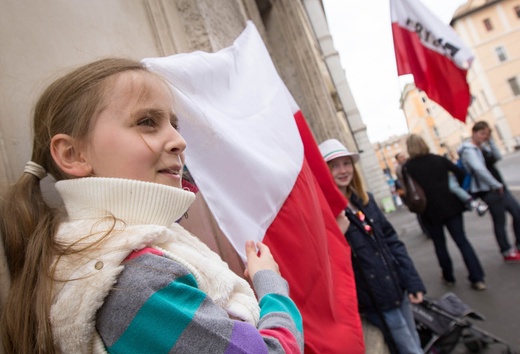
(381, 263)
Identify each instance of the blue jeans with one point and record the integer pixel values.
(498, 205)
(401, 323)
(455, 226)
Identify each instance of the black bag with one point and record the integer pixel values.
(415, 199)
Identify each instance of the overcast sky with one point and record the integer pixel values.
(362, 35)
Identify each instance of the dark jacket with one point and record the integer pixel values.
(381, 263)
(431, 172)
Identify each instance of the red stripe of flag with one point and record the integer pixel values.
(314, 256)
(433, 53)
(433, 73)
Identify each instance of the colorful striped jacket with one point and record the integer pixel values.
(174, 295)
(157, 307)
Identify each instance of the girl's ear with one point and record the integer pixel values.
(68, 156)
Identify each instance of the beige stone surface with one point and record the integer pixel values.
(374, 342)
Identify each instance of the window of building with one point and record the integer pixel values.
(488, 24)
(515, 86)
(501, 53)
(517, 11)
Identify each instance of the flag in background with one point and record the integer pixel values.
(259, 169)
(433, 53)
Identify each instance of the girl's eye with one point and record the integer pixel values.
(174, 121)
(146, 122)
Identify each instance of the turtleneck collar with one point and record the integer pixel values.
(134, 202)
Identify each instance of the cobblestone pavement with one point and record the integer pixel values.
(500, 303)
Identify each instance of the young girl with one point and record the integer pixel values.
(114, 272)
(386, 279)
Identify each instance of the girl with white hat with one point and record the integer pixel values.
(386, 279)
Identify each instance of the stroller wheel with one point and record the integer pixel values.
(474, 341)
(475, 345)
(510, 351)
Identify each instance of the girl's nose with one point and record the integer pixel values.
(176, 143)
(343, 168)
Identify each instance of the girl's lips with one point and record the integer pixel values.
(170, 172)
(174, 170)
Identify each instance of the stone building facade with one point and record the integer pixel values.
(38, 40)
(491, 28)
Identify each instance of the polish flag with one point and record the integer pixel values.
(259, 169)
(433, 53)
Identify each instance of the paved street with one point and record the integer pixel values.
(500, 302)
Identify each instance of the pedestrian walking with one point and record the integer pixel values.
(479, 156)
(443, 209)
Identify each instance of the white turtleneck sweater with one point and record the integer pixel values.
(116, 217)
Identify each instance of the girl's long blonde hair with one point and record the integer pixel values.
(27, 223)
(357, 186)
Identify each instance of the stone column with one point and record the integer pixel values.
(296, 56)
(374, 177)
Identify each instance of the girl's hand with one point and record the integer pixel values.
(263, 259)
(343, 222)
(415, 298)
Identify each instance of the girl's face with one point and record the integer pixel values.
(342, 170)
(135, 136)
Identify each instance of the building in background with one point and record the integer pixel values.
(438, 128)
(346, 109)
(386, 151)
(491, 28)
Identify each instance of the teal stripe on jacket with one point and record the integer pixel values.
(145, 336)
(278, 303)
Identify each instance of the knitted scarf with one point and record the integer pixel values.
(114, 217)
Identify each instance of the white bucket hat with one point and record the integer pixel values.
(332, 148)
